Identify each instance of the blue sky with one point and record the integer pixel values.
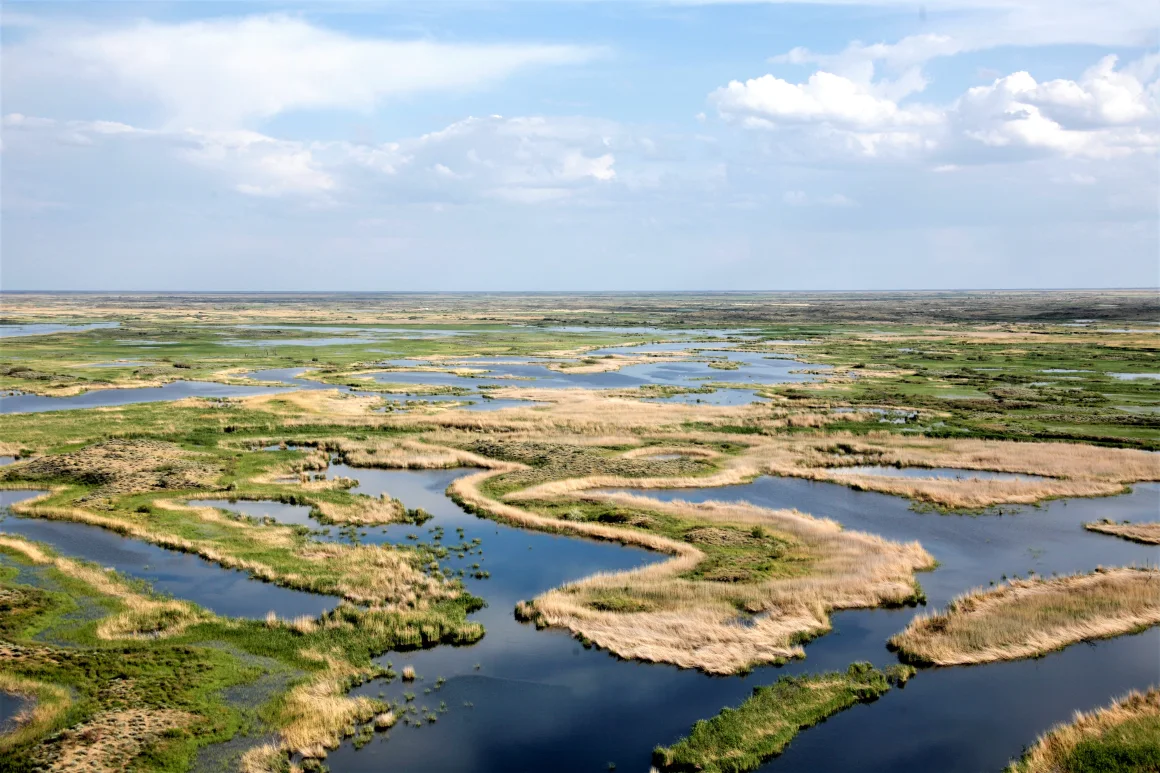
(543, 145)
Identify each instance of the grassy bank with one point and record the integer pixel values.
(1121, 738)
(1026, 618)
(741, 739)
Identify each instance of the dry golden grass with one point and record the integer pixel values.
(1025, 618)
(1147, 533)
(406, 454)
(364, 511)
(696, 452)
(385, 579)
(140, 617)
(315, 714)
(693, 623)
(1051, 752)
(51, 703)
(329, 402)
(1072, 470)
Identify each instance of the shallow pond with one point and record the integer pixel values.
(183, 575)
(523, 699)
(12, 706)
(942, 473)
(102, 398)
(47, 328)
(1133, 376)
(287, 515)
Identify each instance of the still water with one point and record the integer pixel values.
(224, 591)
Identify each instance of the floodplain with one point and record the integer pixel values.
(504, 532)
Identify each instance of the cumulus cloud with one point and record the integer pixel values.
(825, 98)
(1107, 112)
(231, 72)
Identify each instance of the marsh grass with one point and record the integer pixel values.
(783, 570)
(1026, 618)
(741, 739)
(1147, 533)
(1124, 736)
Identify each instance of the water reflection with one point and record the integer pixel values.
(183, 575)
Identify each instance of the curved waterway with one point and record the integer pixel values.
(522, 699)
(224, 591)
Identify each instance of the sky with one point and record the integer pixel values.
(537, 145)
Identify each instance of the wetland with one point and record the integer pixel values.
(568, 535)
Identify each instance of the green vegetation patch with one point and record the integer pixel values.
(741, 739)
(1130, 747)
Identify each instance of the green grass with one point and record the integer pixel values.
(189, 671)
(1130, 747)
(741, 739)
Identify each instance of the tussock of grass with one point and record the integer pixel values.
(1025, 618)
(1122, 737)
(741, 739)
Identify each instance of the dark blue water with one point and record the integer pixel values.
(539, 700)
(175, 390)
(183, 575)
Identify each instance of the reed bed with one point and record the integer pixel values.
(1147, 533)
(1026, 618)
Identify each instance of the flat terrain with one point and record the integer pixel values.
(251, 433)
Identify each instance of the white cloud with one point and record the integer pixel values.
(523, 159)
(824, 98)
(230, 72)
(1105, 113)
